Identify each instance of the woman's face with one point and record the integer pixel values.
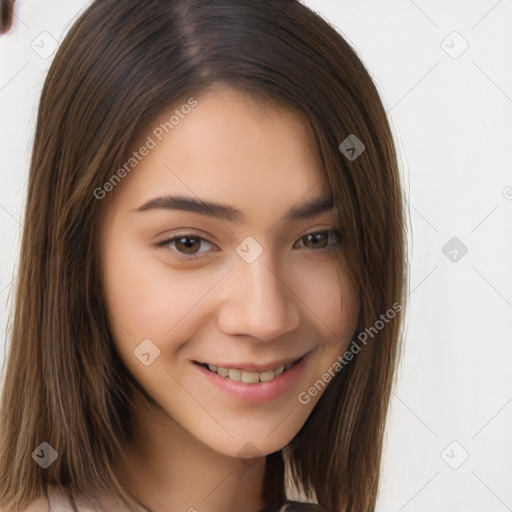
(245, 292)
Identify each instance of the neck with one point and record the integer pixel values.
(170, 470)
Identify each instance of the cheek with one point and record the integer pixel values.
(145, 296)
(331, 301)
(131, 292)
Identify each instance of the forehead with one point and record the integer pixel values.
(226, 147)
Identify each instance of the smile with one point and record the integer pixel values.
(252, 382)
(250, 377)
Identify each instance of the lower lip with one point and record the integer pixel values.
(262, 392)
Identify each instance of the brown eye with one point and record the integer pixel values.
(316, 240)
(320, 239)
(187, 244)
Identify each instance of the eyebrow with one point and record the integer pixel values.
(230, 213)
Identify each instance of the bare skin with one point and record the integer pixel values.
(191, 449)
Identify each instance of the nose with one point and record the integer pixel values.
(257, 301)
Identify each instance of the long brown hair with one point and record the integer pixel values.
(122, 64)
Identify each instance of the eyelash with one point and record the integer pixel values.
(180, 256)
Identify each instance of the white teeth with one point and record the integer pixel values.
(234, 374)
(223, 372)
(250, 377)
(267, 376)
(247, 377)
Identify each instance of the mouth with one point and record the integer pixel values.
(251, 376)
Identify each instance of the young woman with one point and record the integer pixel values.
(212, 277)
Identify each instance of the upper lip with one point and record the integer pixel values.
(252, 367)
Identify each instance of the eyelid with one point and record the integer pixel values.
(166, 242)
(182, 234)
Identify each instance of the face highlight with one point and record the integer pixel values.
(214, 268)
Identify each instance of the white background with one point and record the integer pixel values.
(451, 113)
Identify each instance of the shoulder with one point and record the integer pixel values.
(297, 506)
(39, 505)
